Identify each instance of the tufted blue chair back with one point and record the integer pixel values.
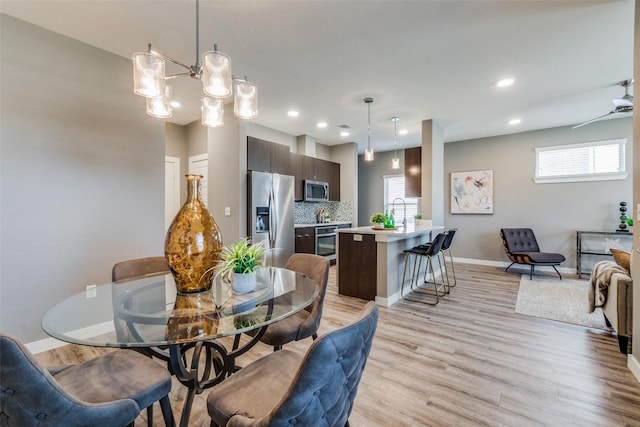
(519, 240)
(325, 387)
(30, 396)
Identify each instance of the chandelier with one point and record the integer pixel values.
(368, 152)
(214, 70)
(395, 162)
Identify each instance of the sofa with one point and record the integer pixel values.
(611, 289)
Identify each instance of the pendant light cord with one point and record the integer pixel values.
(198, 35)
(369, 126)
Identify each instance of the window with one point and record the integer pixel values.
(591, 161)
(393, 189)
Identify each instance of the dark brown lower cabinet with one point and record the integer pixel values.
(357, 265)
(305, 240)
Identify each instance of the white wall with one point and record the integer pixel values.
(81, 172)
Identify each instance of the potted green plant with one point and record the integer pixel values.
(378, 219)
(239, 261)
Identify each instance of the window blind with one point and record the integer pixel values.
(600, 160)
(393, 189)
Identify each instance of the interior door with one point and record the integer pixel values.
(199, 165)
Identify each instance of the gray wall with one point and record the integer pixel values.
(227, 148)
(271, 135)
(554, 211)
(371, 183)
(81, 172)
(347, 155)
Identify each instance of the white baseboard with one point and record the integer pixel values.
(516, 267)
(634, 366)
(46, 344)
(84, 333)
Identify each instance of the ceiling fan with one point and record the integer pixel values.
(622, 105)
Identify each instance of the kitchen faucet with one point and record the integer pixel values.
(393, 208)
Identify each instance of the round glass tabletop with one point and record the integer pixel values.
(147, 311)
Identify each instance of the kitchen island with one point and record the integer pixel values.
(370, 262)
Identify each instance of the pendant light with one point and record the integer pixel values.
(368, 152)
(395, 162)
(149, 80)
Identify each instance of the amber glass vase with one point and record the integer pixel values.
(194, 316)
(193, 244)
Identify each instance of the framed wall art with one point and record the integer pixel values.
(472, 192)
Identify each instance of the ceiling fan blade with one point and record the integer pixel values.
(593, 120)
(626, 101)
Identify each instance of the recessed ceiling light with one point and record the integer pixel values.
(344, 133)
(505, 82)
(175, 104)
(403, 132)
(322, 124)
(515, 121)
(293, 113)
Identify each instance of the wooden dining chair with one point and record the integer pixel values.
(284, 387)
(108, 391)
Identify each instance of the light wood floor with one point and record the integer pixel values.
(471, 360)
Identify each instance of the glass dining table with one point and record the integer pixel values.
(185, 330)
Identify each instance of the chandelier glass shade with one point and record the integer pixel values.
(245, 103)
(368, 152)
(148, 75)
(212, 112)
(216, 74)
(149, 81)
(160, 107)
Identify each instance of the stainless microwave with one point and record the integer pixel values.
(316, 191)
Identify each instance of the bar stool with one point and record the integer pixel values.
(419, 253)
(446, 248)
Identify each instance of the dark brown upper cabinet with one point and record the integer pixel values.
(268, 156)
(413, 172)
(329, 172)
(258, 155)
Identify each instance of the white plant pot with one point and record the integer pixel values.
(379, 225)
(243, 282)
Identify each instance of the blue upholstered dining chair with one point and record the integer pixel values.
(109, 390)
(285, 388)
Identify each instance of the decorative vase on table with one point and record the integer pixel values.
(194, 315)
(193, 243)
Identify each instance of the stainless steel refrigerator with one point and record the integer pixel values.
(270, 214)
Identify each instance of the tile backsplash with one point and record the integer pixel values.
(305, 212)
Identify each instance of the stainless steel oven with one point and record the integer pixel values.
(326, 241)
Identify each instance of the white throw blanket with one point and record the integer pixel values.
(600, 278)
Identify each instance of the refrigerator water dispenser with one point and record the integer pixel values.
(262, 219)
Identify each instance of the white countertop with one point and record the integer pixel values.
(392, 235)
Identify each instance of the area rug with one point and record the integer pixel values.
(563, 300)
